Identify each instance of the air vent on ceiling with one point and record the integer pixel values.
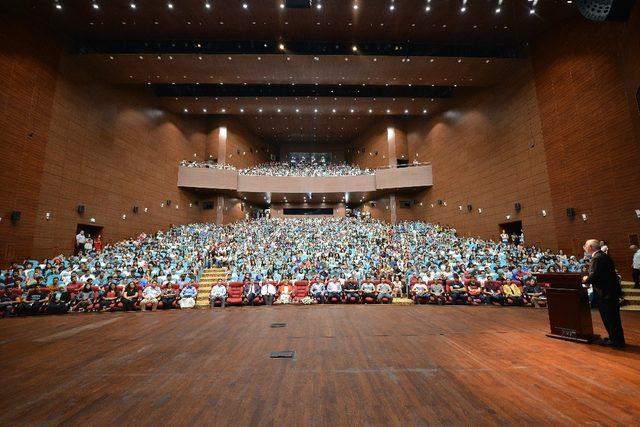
(297, 4)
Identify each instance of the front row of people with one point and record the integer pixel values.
(89, 298)
(474, 292)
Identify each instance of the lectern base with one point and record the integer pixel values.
(582, 340)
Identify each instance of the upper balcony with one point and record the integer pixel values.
(410, 177)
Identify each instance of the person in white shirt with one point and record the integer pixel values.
(150, 295)
(420, 293)
(88, 244)
(80, 241)
(268, 292)
(218, 293)
(384, 291)
(635, 272)
(334, 289)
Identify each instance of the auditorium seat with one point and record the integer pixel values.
(235, 293)
(300, 290)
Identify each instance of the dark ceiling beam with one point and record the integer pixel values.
(301, 90)
(302, 48)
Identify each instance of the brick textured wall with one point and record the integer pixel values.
(109, 150)
(586, 75)
(28, 72)
(487, 152)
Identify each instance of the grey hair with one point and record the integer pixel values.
(593, 244)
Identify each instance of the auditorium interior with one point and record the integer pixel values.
(347, 154)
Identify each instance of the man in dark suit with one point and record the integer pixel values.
(605, 282)
(251, 291)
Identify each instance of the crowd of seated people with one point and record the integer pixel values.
(305, 168)
(112, 277)
(207, 164)
(340, 259)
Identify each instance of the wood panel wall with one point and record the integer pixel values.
(28, 73)
(586, 75)
(488, 153)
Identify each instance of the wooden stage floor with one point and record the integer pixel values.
(354, 365)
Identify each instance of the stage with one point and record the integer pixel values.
(355, 365)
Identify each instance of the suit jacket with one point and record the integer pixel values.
(256, 290)
(603, 277)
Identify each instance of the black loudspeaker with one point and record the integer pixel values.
(606, 10)
(297, 4)
(80, 209)
(135, 209)
(571, 212)
(517, 206)
(168, 202)
(469, 208)
(15, 216)
(440, 202)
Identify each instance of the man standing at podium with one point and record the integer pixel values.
(603, 277)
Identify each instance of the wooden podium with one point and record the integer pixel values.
(569, 309)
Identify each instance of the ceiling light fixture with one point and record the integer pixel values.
(170, 5)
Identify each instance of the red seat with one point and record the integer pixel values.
(300, 290)
(235, 292)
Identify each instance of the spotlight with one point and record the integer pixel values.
(245, 6)
(207, 5)
(132, 5)
(281, 46)
(354, 48)
(319, 6)
(58, 6)
(96, 6)
(170, 5)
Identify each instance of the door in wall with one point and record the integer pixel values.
(513, 228)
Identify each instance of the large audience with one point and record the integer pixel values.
(276, 260)
(305, 168)
(299, 168)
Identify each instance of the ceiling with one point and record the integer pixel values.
(337, 20)
(253, 59)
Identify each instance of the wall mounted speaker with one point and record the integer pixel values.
(605, 10)
(15, 216)
(80, 209)
(517, 206)
(168, 202)
(571, 212)
(469, 208)
(135, 209)
(440, 202)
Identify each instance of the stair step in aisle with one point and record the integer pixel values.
(207, 280)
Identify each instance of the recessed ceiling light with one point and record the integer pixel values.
(170, 5)
(281, 46)
(242, 110)
(245, 6)
(319, 6)
(132, 5)
(259, 110)
(186, 110)
(204, 110)
(354, 48)
(207, 5)
(96, 6)
(281, 5)
(355, 6)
